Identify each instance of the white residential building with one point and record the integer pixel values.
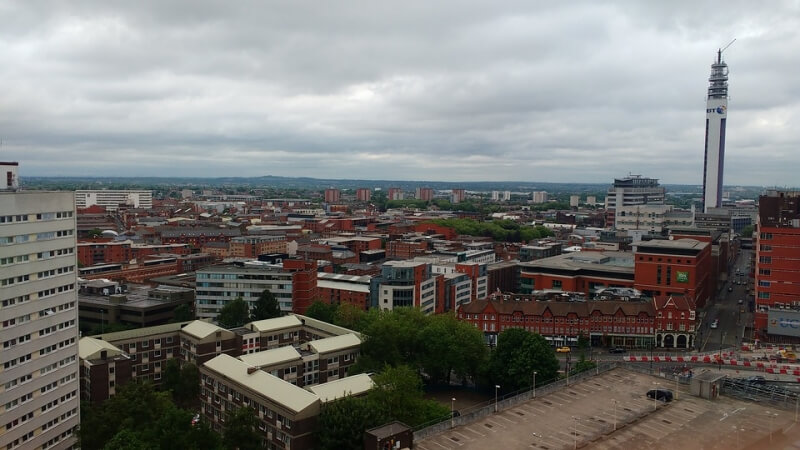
(39, 375)
(111, 199)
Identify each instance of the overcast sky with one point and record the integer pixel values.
(431, 90)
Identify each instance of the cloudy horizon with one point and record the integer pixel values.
(444, 91)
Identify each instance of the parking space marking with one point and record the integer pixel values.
(500, 416)
(473, 430)
(495, 423)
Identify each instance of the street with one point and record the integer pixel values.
(724, 307)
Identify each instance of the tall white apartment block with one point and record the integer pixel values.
(39, 382)
(111, 199)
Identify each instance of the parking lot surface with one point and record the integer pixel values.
(584, 415)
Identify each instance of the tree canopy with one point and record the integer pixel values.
(241, 431)
(139, 417)
(235, 314)
(517, 355)
(321, 311)
(397, 395)
(266, 307)
(499, 230)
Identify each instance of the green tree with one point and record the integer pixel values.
(350, 317)
(183, 313)
(126, 440)
(266, 307)
(583, 364)
(391, 338)
(240, 431)
(95, 232)
(321, 311)
(235, 314)
(144, 417)
(747, 231)
(450, 346)
(342, 423)
(398, 392)
(517, 355)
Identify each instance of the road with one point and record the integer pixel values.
(725, 308)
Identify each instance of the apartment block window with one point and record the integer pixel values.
(766, 236)
(763, 295)
(766, 272)
(557, 284)
(765, 248)
(765, 259)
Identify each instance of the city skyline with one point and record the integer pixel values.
(564, 93)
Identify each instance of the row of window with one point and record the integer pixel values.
(39, 217)
(18, 381)
(55, 440)
(55, 272)
(55, 402)
(22, 238)
(15, 301)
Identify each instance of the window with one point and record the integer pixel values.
(766, 236)
(763, 295)
(557, 284)
(766, 272)
(765, 259)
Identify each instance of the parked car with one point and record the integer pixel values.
(563, 350)
(617, 350)
(665, 395)
(757, 379)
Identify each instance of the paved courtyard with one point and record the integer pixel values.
(584, 414)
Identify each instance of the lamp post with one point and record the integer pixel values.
(496, 387)
(655, 395)
(677, 377)
(452, 412)
(534, 384)
(575, 419)
(615, 415)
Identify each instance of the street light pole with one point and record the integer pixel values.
(496, 387)
(575, 419)
(615, 415)
(534, 384)
(452, 414)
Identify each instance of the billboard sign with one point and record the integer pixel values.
(683, 277)
(784, 322)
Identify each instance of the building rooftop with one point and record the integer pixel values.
(142, 332)
(687, 244)
(335, 343)
(271, 357)
(90, 348)
(341, 285)
(620, 262)
(354, 385)
(290, 396)
(201, 329)
(278, 323)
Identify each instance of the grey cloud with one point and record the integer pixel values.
(565, 91)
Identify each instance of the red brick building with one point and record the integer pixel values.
(633, 324)
(777, 274)
(363, 194)
(332, 195)
(674, 267)
(406, 249)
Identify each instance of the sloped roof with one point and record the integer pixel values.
(201, 329)
(335, 343)
(282, 392)
(275, 324)
(606, 307)
(355, 385)
(271, 357)
(89, 348)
